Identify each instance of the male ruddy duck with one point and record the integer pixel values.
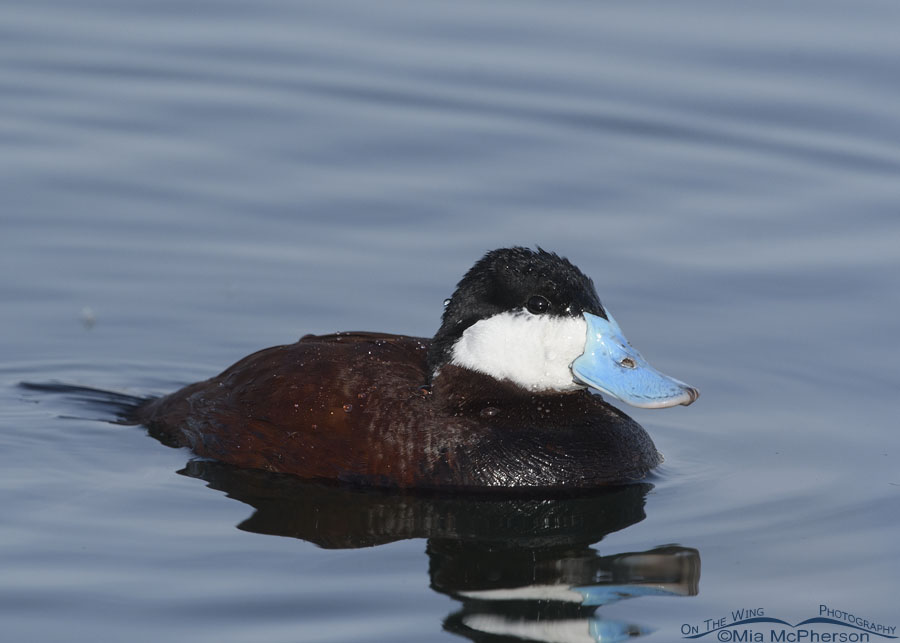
(497, 399)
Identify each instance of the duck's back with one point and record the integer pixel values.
(311, 408)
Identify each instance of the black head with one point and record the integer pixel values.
(512, 279)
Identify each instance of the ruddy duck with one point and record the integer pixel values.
(497, 399)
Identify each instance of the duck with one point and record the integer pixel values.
(507, 395)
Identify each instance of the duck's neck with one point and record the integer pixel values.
(464, 390)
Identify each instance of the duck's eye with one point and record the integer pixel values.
(537, 305)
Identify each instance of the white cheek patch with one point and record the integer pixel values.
(534, 351)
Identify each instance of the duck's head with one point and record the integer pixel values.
(534, 319)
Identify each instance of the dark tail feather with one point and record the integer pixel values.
(122, 405)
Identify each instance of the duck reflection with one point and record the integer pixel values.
(522, 567)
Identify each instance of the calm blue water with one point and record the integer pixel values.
(184, 183)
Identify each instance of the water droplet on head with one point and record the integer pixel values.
(446, 302)
(489, 411)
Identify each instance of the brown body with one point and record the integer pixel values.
(357, 407)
